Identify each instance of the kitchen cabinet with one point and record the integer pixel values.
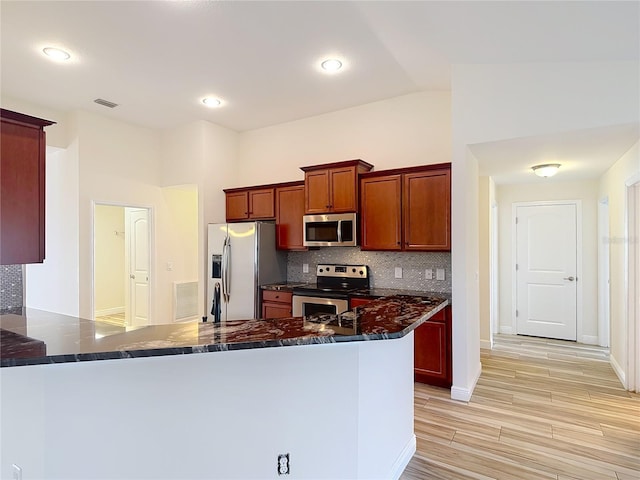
(22, 188)
(289, 212)
(406, 209)
(333, 187)
(432, 350)
(253, 203)
(276, 304)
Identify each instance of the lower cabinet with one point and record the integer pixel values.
(276, 304)
(432, 350)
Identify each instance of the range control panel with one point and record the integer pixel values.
(342, 271)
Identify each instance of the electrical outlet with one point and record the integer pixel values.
(440, 274)
(398, 272)
(16, 472)
(428, 274)
(283, 464)
(305, 268)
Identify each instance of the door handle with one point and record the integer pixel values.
(132, 276)
(571, 279)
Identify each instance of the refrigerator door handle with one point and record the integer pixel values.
(339, 231)
(226, 250)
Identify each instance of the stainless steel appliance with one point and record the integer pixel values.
(330, 294)
(241, 257)
(330, 230)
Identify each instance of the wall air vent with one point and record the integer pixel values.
(106, 103)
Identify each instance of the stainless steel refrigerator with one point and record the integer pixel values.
(241, 258)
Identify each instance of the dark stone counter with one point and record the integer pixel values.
(71, 339)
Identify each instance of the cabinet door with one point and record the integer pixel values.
(22, 184)
(289, 212)
(381, 213)
(427, 210)
(261, 204)
(276, 310)
(343, 188)
(237, 206)
(317, 191)
(432, 350)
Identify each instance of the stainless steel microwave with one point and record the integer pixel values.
(330, 230)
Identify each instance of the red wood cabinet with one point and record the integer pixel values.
(289, 212)
(333, 187)
(276, 304)
(249, 204)
(22, 188)
(357, 301)
(432, 350)
(406, 209)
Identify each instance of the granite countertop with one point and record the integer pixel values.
(387, 292)
(71, 339)
(283, 286)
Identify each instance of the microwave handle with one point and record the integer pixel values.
(339, 231)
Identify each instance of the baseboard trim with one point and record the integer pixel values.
(506, 330)
(590, 339)
(618, 369)
(464, 394)
(403, 460)
(486, 344)
(109, 311)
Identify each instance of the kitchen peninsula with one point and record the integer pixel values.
(214, 401)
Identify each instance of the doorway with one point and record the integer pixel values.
(633, 282)
(547, 254)
(122, 253)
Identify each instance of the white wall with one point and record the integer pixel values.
(587, 193)
(403, 131)
(53, 285)
(612, 185)
(109, 247)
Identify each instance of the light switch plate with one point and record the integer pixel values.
(440, 274)
(428, 274)
(398, 272)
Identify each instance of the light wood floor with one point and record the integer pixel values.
(542, 409)
(116, 319)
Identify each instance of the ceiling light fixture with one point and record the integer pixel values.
(56, 54)
(546, 170)
(331, 65)
(212, 102)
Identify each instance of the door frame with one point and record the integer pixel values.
(151, 237)
(604, 273)
(514, 260)
(632, 283)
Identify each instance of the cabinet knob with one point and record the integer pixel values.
(327, 206)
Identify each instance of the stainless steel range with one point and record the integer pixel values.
(330, 294)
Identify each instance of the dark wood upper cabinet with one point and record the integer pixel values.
(333, 187)
(251, 203)
(289, 212)
(427, 210)
(381, 213)
(406, 209)
(22, 188)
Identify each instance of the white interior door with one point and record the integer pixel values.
(546, 271)
(137, 234)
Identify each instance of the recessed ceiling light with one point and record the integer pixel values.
(331, 65)
(56, 54)
(546, 170)
(212, 102)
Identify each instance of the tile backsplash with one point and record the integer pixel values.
(11, 292)
(382, 267)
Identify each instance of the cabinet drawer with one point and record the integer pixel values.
(276, 296)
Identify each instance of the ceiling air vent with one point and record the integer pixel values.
(106, 103)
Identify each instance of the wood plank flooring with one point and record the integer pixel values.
(542, 409)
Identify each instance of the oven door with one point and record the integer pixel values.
(303, 306)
